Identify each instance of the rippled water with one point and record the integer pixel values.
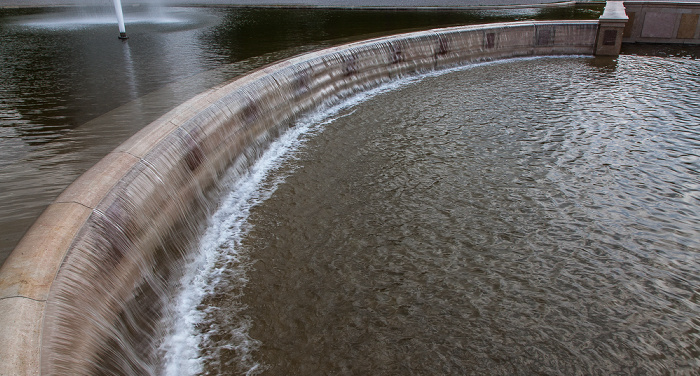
(527, 217)
(71, 91)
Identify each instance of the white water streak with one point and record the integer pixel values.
(219, 250)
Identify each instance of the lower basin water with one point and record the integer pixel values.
(533, 216)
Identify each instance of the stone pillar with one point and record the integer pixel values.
(610, 27)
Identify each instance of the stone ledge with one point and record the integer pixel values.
(20, 333)
(32, 266)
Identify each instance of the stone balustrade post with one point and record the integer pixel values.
(610, 28)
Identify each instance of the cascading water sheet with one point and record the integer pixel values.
(220, 260)
(533, 216)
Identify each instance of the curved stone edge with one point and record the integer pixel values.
(198, 140)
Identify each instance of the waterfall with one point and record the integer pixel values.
(139, 209)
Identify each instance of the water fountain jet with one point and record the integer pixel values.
(120, 19)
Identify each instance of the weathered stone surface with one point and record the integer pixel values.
(32, 266)
(19, 335)
(662, 22)
(93, 185)
(658, 25)
(688, 26)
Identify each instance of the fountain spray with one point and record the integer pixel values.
(120, 19)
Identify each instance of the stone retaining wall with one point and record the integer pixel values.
(70, 276)
(662, 22)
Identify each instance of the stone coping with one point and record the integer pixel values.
(614, 11)
(66, 278)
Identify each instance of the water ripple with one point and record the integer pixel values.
(530, 217)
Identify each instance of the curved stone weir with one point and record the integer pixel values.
(91, 252)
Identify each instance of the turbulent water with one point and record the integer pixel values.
(525, 217)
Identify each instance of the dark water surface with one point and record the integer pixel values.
(528, 217)
(70, 92)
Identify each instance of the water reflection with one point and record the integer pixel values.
(130, 72)
(58, 78)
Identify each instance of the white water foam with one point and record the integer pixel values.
(218, 251)
(219, 254)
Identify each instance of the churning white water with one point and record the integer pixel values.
(218, 258)
(218, 251)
